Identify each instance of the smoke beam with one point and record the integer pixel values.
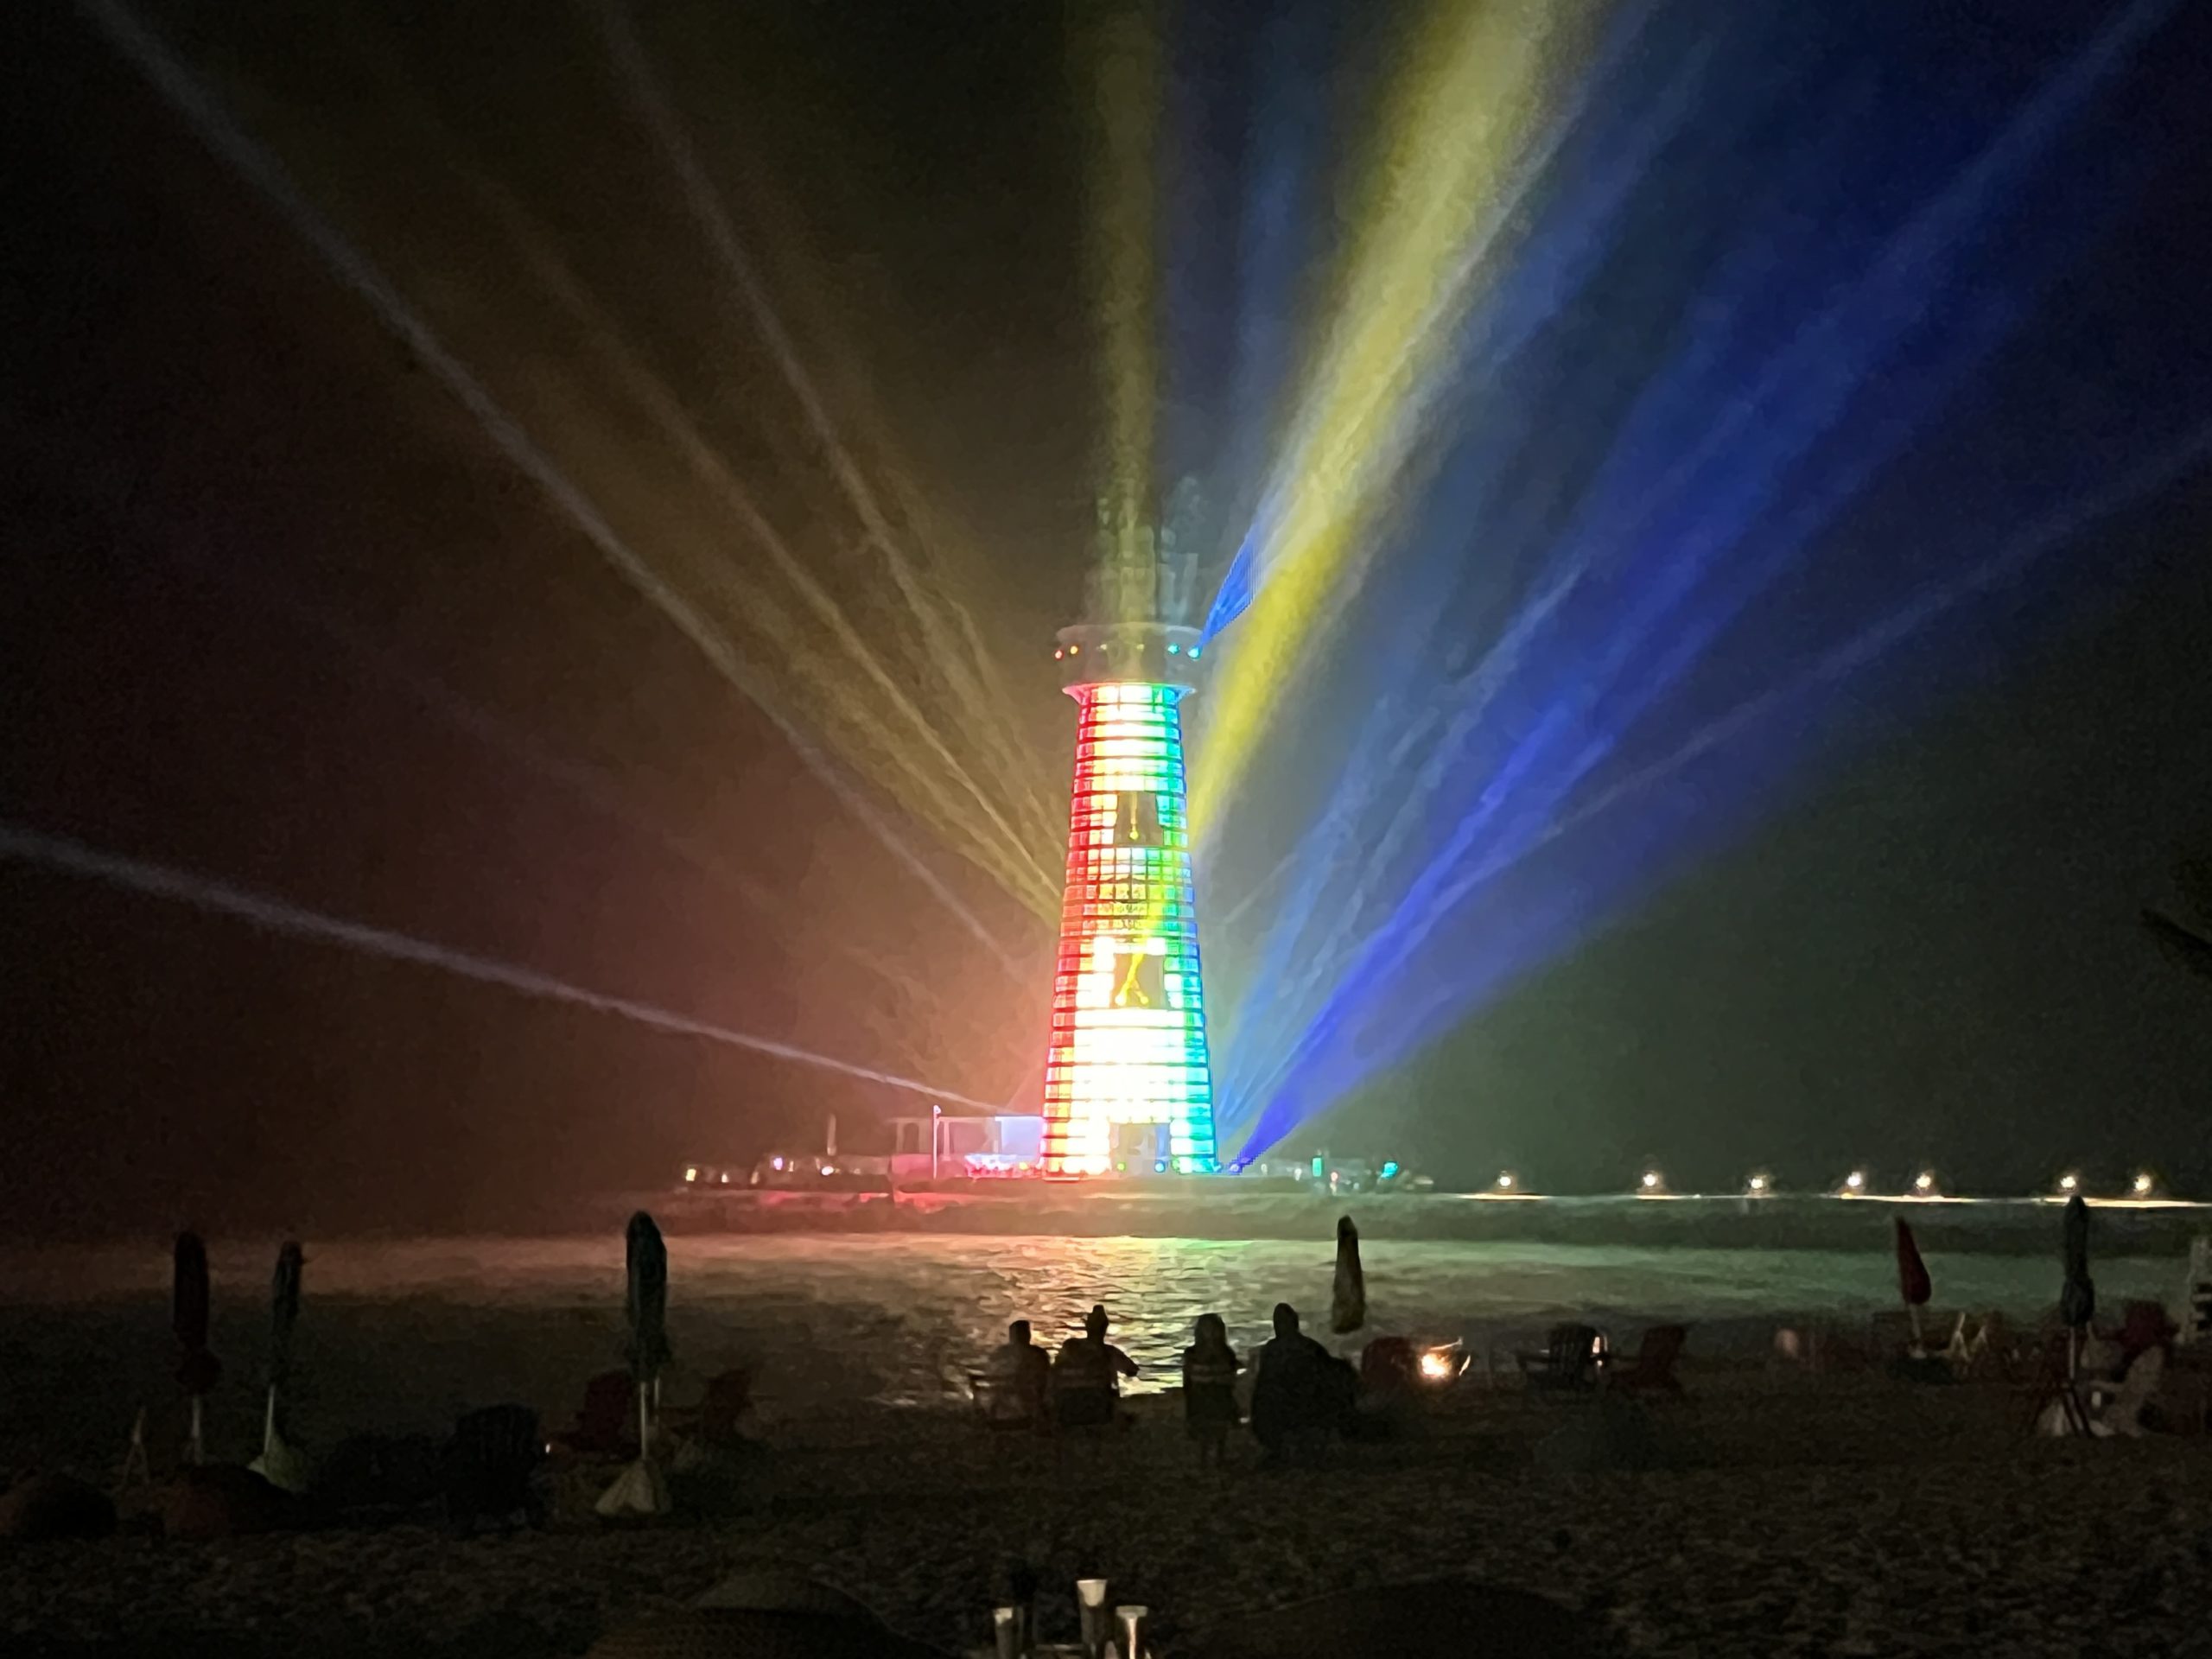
(29, 846)
(957, 652)
(191, 98)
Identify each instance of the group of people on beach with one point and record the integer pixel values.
(1301, 1393)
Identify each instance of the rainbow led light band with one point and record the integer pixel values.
(1129, 1015)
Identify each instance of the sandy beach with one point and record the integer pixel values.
(1849, 1514)
(1783, 1512)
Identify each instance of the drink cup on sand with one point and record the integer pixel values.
(1091, 1602)
(1131, 1618)
(1006, 1632)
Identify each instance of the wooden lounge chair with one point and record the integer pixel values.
(1652, 1370)
(721, 1418)
(1572, 1356)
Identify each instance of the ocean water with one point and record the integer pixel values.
(402, 1333)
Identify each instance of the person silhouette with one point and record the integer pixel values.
(1087, 1377)
(1210, 1368)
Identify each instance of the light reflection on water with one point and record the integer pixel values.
(826, 1320)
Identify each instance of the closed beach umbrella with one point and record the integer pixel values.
(1348, 1299)
(279, 1463)
(642, 1488)
(646, 1298)
(285, 1309)
(1913, 1283)
(198, 1370)
(2078, 1297)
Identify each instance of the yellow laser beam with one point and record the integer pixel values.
(950, 645)
(1462, 114)
(946, 796)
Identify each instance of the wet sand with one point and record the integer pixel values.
(1834, 1514)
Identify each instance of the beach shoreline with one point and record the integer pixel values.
(1781, 1512)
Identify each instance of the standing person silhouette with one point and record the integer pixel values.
(1296, 1392)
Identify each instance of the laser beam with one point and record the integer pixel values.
(947, 646)
(187, 94)
(30, 846)
(1403, 1025)
(1460, 124)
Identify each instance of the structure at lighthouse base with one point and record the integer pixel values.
(1128, 1087)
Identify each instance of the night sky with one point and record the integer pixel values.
(281, 615)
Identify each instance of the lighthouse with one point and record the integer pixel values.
(1128, 1085)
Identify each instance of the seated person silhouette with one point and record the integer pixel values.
(1087, 1377)
(1016, 1379)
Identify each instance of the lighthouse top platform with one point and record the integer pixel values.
(1147, 653)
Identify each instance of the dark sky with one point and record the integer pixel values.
(280, 614)
(267, 572)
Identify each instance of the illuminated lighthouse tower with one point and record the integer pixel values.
(1127, 1085)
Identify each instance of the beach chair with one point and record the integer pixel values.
(2054, 1401)
(379, 1477)
(1389, 1366)
(1090, 1417)
(2143, 1325)
(1571, 1360)
(1898, 1331)
(1001, 1404)
(1652, 1370)
(1991, 1352)
(2186, 1391)
(2122, 1410)
(491, 1467)
(607, 1425)
(1820, 1347)
(721, 1418)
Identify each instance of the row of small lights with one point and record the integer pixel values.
(692, 1172)
(1854, 1184)
(1077, 650)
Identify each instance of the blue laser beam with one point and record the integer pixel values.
(1612, 146)
(1625, 581)
(30, 846)
(1247, 95)
(1391, 1026)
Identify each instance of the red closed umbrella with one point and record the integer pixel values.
(1913, 1282)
